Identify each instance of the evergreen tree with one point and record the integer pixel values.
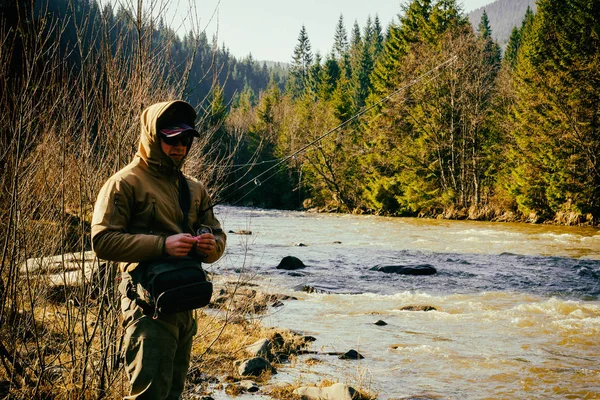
(492, 50)
(301, 63)
(412, 24)
(378, 39)
(340, 40)
(556, 112)
(315, 76)
(512, 48)
(362, 66)
(355, 40)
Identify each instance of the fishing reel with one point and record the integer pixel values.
(203, 229)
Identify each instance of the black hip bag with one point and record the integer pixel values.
(176, 284)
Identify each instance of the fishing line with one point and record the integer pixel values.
(329, 132)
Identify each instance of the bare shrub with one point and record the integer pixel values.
(69, 118)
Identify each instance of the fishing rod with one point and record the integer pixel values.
(256, 180)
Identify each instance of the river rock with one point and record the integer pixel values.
(351, 355)
(291, 263)
(418, 269)
(260, 348)
(255, 366)
(418, 308)
(277, 340)
(248, 386)
(338, 391)
(380, 323)
(241, 232)
(311, 289)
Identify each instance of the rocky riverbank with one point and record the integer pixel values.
(233, 353)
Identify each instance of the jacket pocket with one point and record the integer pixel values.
(115, 204)
(145, 216)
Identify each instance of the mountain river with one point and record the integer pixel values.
(517, 307)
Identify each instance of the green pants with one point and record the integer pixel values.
(156, 351)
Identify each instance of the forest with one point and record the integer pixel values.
(468, 133)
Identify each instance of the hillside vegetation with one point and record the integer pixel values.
(504, 15)
(464, 133)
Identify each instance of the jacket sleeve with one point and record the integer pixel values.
(110, 237)
(208, 218)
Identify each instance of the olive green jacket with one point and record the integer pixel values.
(138, 207)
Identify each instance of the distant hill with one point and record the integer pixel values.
(503, 16)
(276, 64)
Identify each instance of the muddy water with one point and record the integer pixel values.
(517, 307)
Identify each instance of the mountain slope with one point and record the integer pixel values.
(503, 16)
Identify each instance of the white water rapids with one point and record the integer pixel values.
(517, 306)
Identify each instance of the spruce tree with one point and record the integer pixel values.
(340, 40)
(341, 49)
(557, 129)
(301, 62)
(492, 50)
(378, 38)
(512, 48)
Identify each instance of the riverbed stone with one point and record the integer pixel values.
(380, 323)
(338, 391)
(418, 308)
(260, 348)
(248, 386)
(417, 269)
(241, 232)
(291, 263)
(255, 366)
(311, 289)
(351, 355)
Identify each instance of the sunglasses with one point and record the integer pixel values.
(184, 140)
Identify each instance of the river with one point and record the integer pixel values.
(517, 305)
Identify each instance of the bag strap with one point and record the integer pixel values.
(184, 201)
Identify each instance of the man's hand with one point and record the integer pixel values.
(180, 245)
(206, 244)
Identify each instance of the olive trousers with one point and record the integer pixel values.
(157, 351)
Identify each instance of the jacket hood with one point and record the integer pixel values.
(149, 148)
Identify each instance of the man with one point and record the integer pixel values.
(138, 218)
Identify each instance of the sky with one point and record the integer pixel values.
(269, 29)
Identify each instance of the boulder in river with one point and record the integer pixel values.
(418, 269)
(241, 232)
(261, 348)
(418, 308)
(351, 355)
(254, 367)
(291, 263)
(338, 391)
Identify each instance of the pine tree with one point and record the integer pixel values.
(557, 129)
(362, 66)
(341, 48)
(315, 76)
(385, 75)
(512, 48)
(301, 63)
(340, 40)
(491, 49)
(378, 38)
